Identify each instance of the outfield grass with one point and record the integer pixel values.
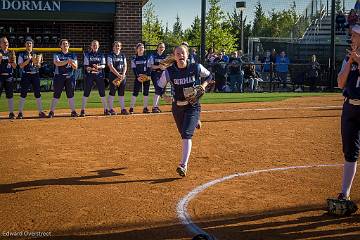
(94, 99)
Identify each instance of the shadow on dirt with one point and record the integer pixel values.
(82, 180)
(274, 225)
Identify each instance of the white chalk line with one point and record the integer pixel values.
(182, 205)
(64, 115)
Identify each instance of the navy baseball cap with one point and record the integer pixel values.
(29, 39)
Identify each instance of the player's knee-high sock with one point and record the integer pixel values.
(11, 104)
(122, 102)
(186, 150)
(146, 101)
(21, 104)
(83, 103)
(39, 104)
(72, 104)
(133, 101)
(103, 101)
(348, 177)
(53, 104)
(156, 100)
(111, 101)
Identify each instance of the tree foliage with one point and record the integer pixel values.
(217, 35)
(223, 31)
(193, 34)
(278, 24)
(152, 30)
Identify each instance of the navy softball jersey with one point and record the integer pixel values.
(350, 118)
(94, 58)
(186, 116)
(139, 66)
(6, 75)
(118, 61)
(156, 59)
(64, 76)
(30, 75)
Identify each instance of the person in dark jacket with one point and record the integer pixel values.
(313, 72)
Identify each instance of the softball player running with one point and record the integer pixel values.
(7, 65)
(139, 66)
(349, 80)
(156, 71)
(65, 64)
(94, 64)
(181, 76)
(29, 76)
(116, 62)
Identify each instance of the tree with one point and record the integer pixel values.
(233, 23)
(193, 34)
(152, 30)
(217, 36)
(261, 23)
(282, 22)
(177, 28)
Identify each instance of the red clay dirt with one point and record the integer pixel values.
(114, 177)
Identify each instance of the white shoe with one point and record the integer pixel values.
(181, 170)
(299, 89)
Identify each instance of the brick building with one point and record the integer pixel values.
(80, 21)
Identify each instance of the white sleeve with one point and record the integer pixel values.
(163, 79)
(151, 61)
(203, 71)
(133, 65)
(109, 60)
(343, 65)
(103, 61)
(20, 59)
(86, 60)
(56, 58)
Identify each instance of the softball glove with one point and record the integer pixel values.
(144, 78)
(193, 94)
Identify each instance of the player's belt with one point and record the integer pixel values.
(4, 74)
(31, 72)
(63, 75)
(355, 102)
(181, 103)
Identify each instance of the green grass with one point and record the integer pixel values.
(94, 99)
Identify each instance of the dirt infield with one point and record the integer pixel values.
(114, 177)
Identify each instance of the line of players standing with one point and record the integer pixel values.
(94, 64)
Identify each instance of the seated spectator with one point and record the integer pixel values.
(226, 57)
(194, 58)
(209, 59)
(252, 76)
(220, 70)
(282, 67)
(340, 21)
(235, 73)
(266, 61)
(257, 62)
(273, 55)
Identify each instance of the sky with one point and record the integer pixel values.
(188, 9)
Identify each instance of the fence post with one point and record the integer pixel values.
(327, 7)
(271, 76)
